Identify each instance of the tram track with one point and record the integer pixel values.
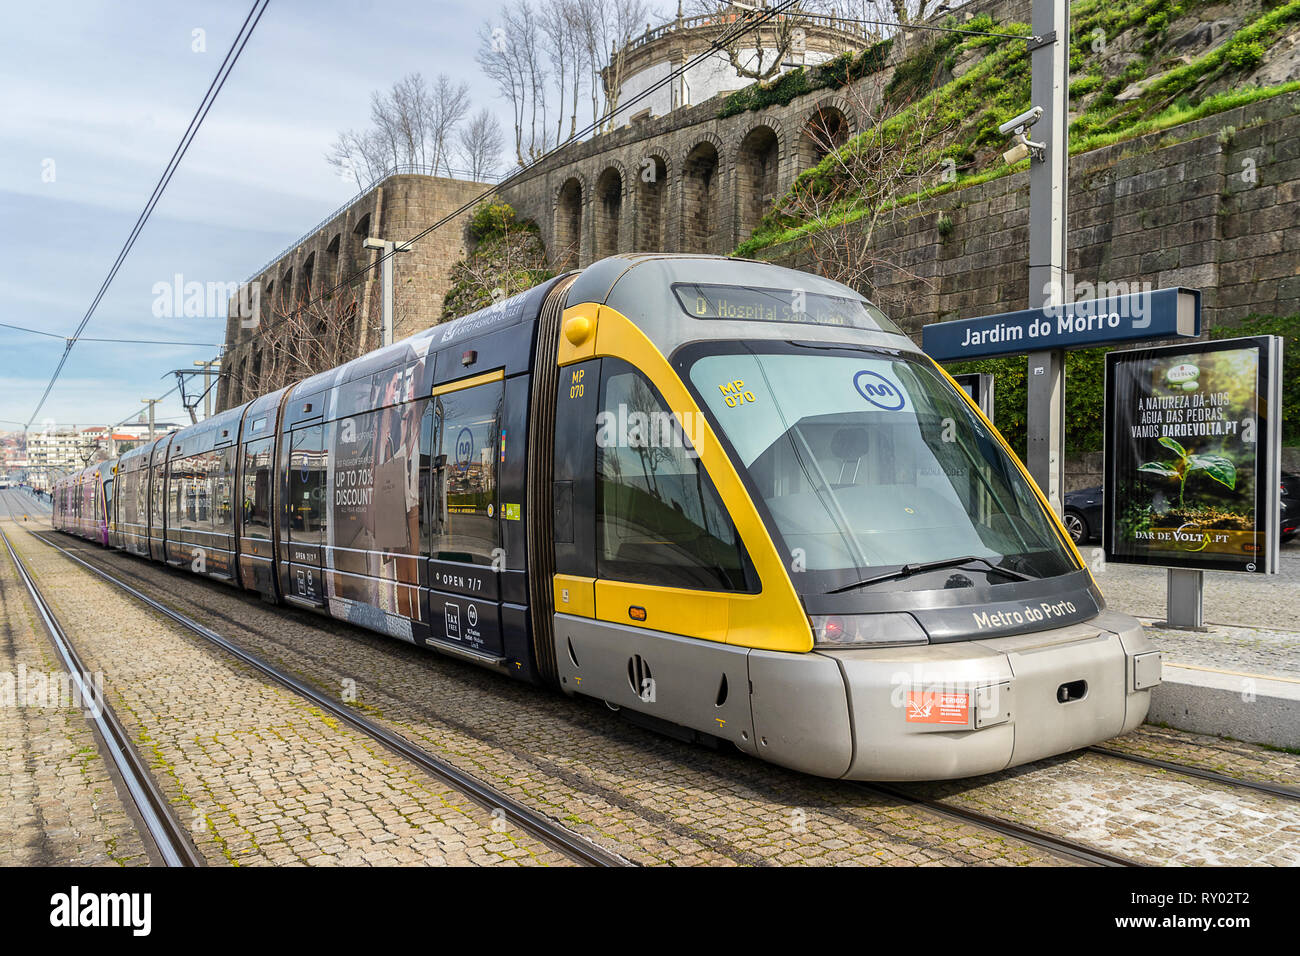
(542, 828)
(1257, 786)
(889, 797)
(1040, 838)
(1052, 843)
(163, 828)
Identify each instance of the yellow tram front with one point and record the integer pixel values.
(808, 541)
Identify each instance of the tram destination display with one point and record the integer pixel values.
(1192, 455)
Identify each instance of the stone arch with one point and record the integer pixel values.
(758, 161)
(609, 210)
(329, 267)
(255, 383)
(360, 232)
(652, 178)
(568, 224)
(306, 277)
(267, 303)
(701, 184)
(826, 127)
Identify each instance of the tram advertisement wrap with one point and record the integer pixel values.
(1192, 456)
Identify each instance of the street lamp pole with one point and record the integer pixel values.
(389, 248)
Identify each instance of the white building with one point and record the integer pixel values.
(649, 58)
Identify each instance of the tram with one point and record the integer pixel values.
(730, 499)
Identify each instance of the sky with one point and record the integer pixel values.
(94, 98)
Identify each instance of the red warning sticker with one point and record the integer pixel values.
(934, 707)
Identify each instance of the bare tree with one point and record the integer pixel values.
(481, 142)
(561, 26)
(301, 337)
(412, 123)
(358, 156)
(899, 152)
(605, 31)
(510, 56)
(448, 104)
(755, 52)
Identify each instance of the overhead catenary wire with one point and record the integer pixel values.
(55, 335)
(214, 89)
(742, 26)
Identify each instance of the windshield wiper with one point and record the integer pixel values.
(907, 570)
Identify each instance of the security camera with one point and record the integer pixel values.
(1021, 122)
(1016, 153)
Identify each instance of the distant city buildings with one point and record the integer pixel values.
(40, 458)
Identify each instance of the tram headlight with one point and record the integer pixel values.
(866, 630)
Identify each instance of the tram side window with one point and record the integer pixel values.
(659, 520)
(466, 429)
(258, 458)
(307, 464)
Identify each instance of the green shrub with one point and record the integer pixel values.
(491, 220)
(834, 73)
(1245, 56)
(1085, 381)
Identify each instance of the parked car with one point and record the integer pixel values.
(1082, 514)
(1290, 505)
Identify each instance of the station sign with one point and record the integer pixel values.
(1139, 316)
(1193, 455)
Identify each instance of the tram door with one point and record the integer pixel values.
(461, 430)
(648, 560)
(305, 515)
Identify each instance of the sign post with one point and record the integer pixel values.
(1184, 604)
(1048, 185)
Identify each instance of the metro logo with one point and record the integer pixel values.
(934, 707)
(878, 390)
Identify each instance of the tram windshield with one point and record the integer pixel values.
(869, 464)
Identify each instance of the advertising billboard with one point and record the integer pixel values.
(1193, 462)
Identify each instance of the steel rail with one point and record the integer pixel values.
(164, 829)
(1261, 786)
(535, 824)
(1038, 838)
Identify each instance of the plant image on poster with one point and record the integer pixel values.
(1188, 456)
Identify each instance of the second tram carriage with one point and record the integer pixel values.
(727, 496)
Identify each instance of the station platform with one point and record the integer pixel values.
(1238, 678)
(1230, 681)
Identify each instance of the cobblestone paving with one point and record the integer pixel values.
(1269, 601)
(261, 775)
(58, 803)
(651, 798)
(1240, 650)
(659, 801)
(1231, 757)
(1145, 814)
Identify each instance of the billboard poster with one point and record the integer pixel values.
(1193, 457)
